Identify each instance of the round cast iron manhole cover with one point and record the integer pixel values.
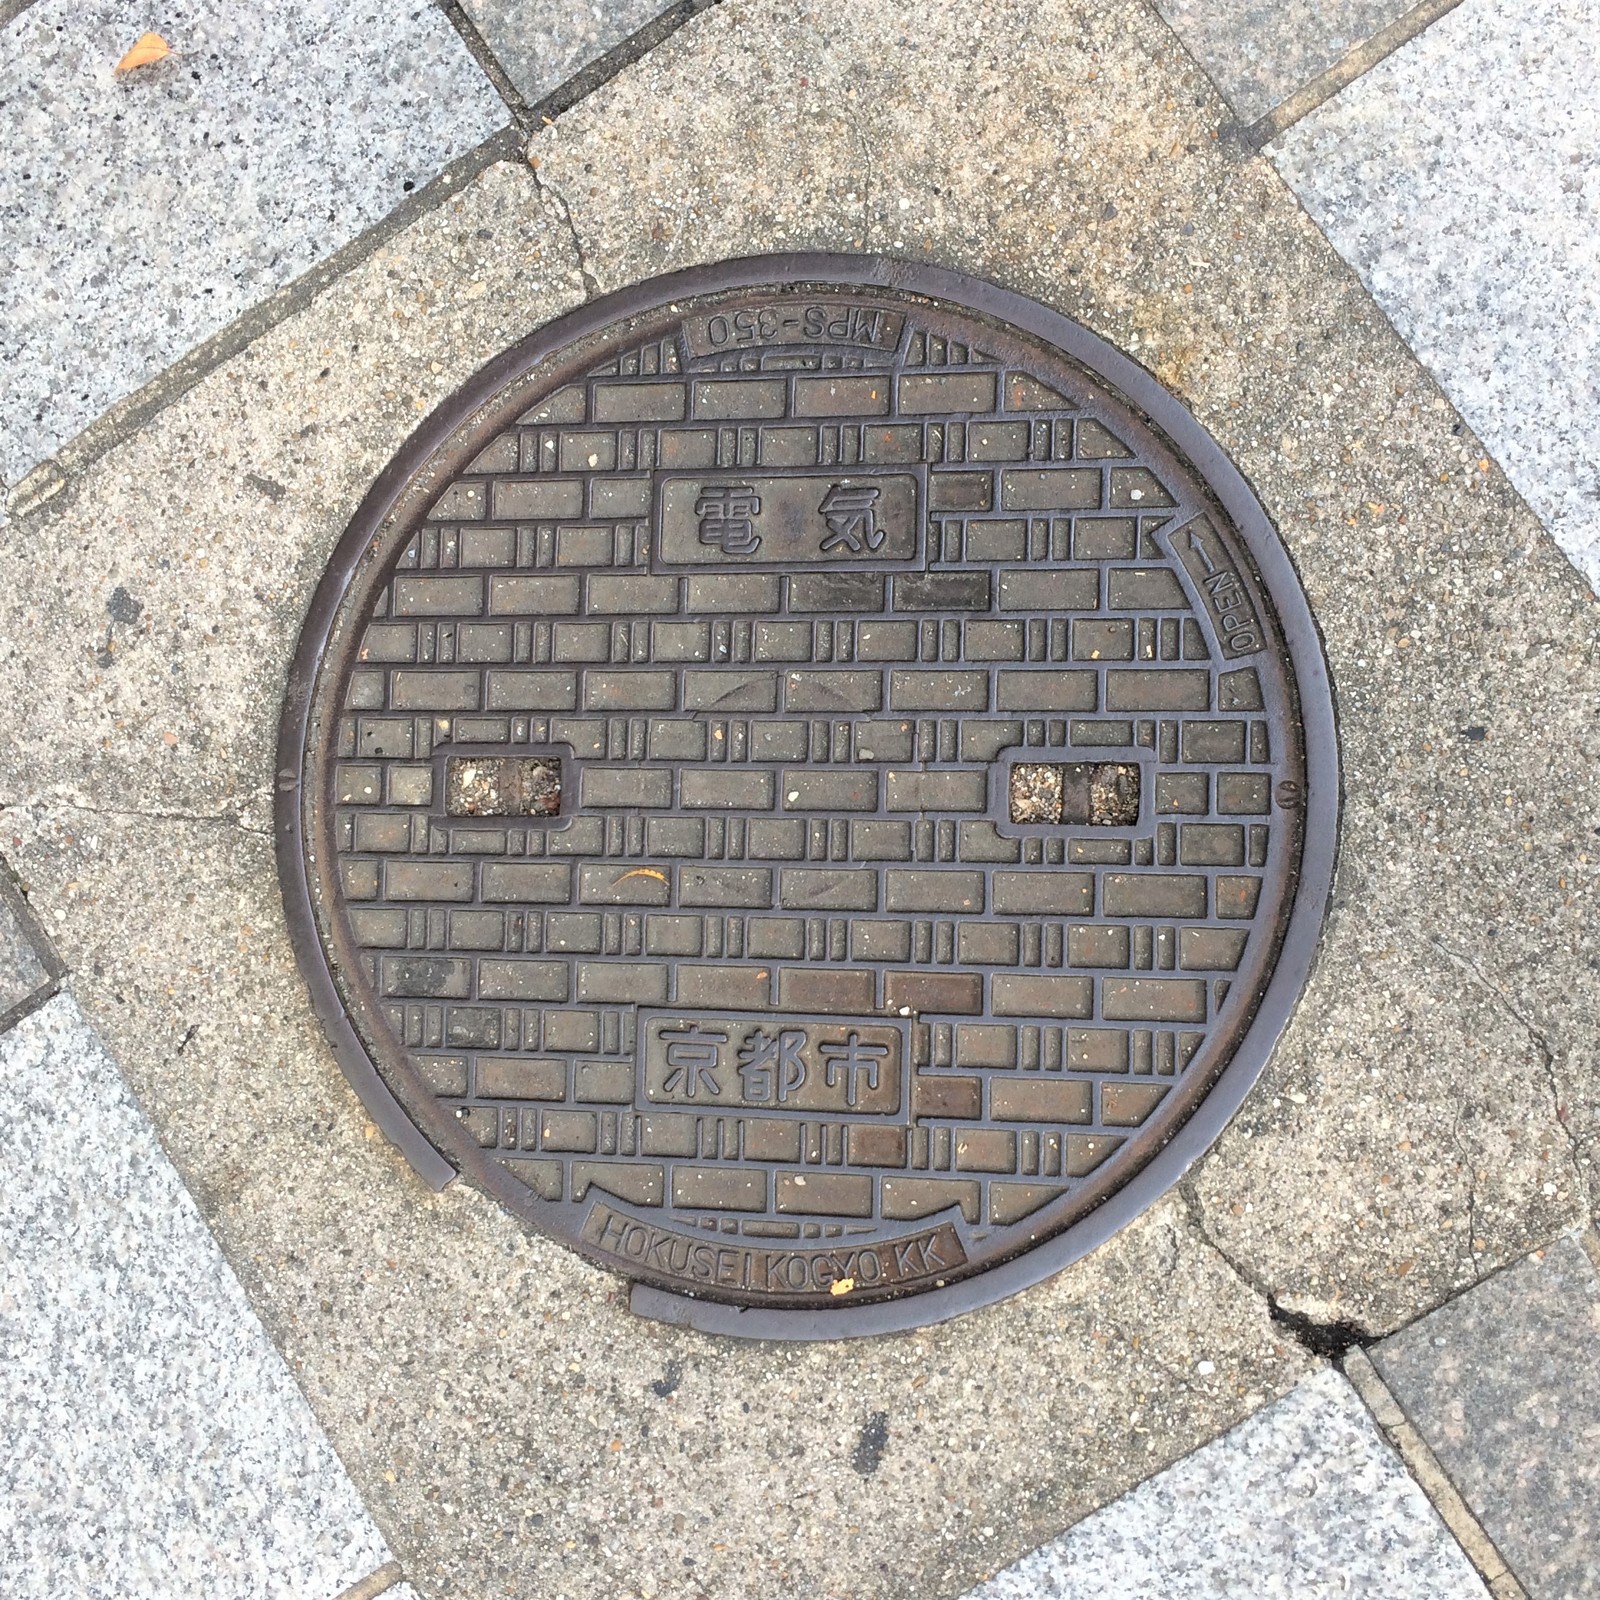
(812, 781)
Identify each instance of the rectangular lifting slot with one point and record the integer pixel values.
(502, 786)
(1095, 794)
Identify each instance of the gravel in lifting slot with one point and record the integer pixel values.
(502, 786)
(1113, 795)
(1101, 794)
(1035, 792)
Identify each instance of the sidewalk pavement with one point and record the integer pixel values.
(202, 377)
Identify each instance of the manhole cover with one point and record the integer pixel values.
(813, 782)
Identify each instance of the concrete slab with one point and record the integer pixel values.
(1306, 1499)
(1504, 1386)
(1460, 179)
(178, 639)
(543, 43)
(512, 1426)
(155, 1443)
(151, 210)
(1259, 52)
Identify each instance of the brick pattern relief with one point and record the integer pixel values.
(783, 967)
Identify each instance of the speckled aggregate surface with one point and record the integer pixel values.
(150, 210)
(155, 1445)
(1305, 1501)
(1461, 179)
(542, 43)
(1504, 1385)
(1259, 52)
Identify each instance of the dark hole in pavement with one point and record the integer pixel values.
(123, 607)
(1330, 1340)
(874, 1440)
(502, 786)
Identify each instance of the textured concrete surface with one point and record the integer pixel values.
(1259, 52)
(1461, 179)
(542, 43)
(150, 210)
(155, 1443)
(1504, 1386)
(1305, 1500)
(1431, 1478)
(509, 1422)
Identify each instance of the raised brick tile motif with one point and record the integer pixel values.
(787, 582)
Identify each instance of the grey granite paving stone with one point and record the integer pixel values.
(542, 43)
(155, 1446)
(1259, 52)
(145, 212)
(1504, 1385)
(1461, 179)
(1304, 1501)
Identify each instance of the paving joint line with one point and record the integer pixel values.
(25, 1008)
(478, 47)
(375, 1583)
(14, 898)
(51, 477)
(1355, 64)
(1350, 1356)
(1423, 1465)
(617, 59)
(48, 479)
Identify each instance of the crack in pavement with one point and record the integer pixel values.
(64, 469)
(547, 190)
(46, 802)
(1541, 1043)
(1472, 1184)
(866, 182)
(1251, 1279)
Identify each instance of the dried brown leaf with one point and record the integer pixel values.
(148, 49)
